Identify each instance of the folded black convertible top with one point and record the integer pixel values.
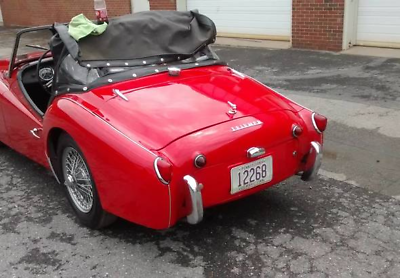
(145, 35)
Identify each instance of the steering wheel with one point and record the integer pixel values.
(45, 75)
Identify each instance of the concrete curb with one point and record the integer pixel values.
(237, 42)
(373, 51)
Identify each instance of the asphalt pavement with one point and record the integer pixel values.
(360, 96)
(346, 224)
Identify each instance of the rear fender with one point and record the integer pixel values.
(122, 169)
(4, 64)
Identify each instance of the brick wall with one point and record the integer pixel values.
(318, 24)
(42, 12)
(162, 4)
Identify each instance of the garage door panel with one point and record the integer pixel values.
(265, 18)
(246, 24)
(239, 3)
(249, 17)
(242, 32)
(382, 29)
(379, 23)
(260, 10)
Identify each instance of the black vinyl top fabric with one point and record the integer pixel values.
(149, 34)
(133, 43)
(143, 35)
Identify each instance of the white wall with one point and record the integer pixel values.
(1, 16)
(350, 23)
(181, 5)
(258, 19)
(140, 5)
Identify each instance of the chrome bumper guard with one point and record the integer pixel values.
(316, 155)
(197, 200)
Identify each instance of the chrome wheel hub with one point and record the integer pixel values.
(70, 180)
(77, 179)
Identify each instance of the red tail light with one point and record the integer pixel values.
(320, 122)
(163, 170)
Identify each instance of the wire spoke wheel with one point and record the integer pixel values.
(77, 179)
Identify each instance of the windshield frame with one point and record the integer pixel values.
(17, 42)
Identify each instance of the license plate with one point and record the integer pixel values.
(250, 175)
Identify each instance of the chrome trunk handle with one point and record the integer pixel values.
(255, 152)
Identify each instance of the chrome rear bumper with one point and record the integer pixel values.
(316, 156)
(196, 216)
(195, 188)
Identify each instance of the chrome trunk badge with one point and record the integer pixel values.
(233, 110)
(247, 125)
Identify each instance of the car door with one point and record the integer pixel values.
(3, 88)
(23, 124)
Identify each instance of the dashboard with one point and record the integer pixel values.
(46, 73)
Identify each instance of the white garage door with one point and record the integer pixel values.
(379, 23)
(268, 19)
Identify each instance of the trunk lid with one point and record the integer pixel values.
(158, 113)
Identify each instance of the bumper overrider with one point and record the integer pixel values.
(196, 216)
(196, 199)
(314, 157)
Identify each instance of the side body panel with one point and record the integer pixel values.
(19, 120)
(122, 169)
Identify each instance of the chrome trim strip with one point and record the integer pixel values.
(115, 129)
(238, 73)
(314, 123)
(174, 71)
(276, 92)
(158, 171)
(51, 168)
(170, 206)
(118, 93)
(316, 154)
(196, 216)
(294, 131)
(255, 152)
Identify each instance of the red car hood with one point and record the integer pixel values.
(157, 114)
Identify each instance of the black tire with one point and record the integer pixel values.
(96, 217)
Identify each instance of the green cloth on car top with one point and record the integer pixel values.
(81, 27)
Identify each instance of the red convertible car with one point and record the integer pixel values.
(146, 123)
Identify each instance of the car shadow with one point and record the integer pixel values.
(285, 208)
(282, 207)
(292, 208)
